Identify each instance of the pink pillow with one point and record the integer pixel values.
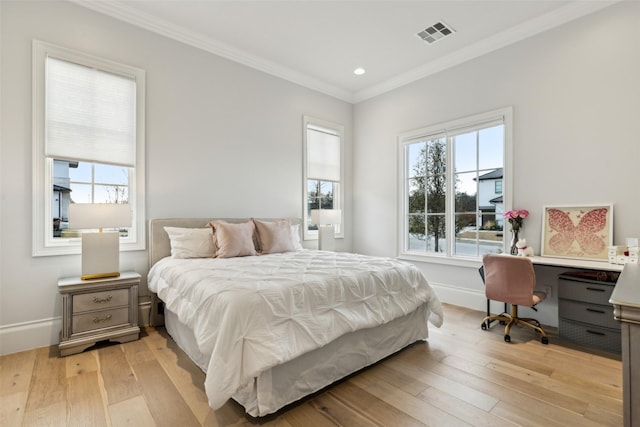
(274, 237)
(233, 240)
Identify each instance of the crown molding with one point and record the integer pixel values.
(560, 16)
(570, 12)
(133, 16)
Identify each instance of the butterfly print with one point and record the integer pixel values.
(585, 233)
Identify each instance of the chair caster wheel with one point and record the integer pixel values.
(545, 340)
(484, 326)
(502, 322)
(507, 338)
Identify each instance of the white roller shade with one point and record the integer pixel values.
(323, 155)
(91, 114)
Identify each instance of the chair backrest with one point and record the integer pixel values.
(509, 279)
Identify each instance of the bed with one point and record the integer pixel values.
(271, 329)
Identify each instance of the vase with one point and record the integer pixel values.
(514, 239)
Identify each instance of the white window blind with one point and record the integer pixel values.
(323, 154)
(90, 114)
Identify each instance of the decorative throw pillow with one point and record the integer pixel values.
(274, 237)
(295, 237)
(191, 242)
(233, 240)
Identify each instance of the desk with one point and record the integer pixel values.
(547, 271)
(576, 263)
(626, 309)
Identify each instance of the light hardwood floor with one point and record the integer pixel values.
(460, 376)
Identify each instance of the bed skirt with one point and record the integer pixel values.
(312, 371)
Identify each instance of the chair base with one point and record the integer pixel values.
(512, 319)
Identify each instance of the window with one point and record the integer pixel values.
(88, 127)
(323, 173)
(452, 178)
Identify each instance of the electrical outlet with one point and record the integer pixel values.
(547, 290)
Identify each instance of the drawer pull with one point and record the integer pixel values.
(105, 319)
(593, 310)
(99, 300)
(596, 289)
(595, 332)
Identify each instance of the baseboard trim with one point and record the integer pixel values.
(28, 335)
(46, 332)
(464, 297)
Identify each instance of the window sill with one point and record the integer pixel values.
(75, 248)
(472, 262)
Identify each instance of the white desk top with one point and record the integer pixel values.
(576, 263)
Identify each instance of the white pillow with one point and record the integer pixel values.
(191, 242)
(295, 237)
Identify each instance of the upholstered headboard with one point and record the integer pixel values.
(159, 245)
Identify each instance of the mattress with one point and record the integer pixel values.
(248, 316)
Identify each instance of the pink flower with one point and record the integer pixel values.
(515, 217)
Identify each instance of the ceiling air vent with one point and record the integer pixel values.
(435, 32)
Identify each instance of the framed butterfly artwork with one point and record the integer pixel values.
(579, 232)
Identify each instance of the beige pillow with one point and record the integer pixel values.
(274, 237)
(191, 242)
(233, 240)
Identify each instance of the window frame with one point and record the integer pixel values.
(453, 127)
(338, 199)
(43, 242)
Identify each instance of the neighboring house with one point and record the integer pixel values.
(61, 195)
(490, 197)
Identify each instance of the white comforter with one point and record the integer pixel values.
(253, 313)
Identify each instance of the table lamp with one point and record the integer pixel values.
(326, 219)
(101, 250)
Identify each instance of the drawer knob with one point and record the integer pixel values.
(104, 319)
(99, 300)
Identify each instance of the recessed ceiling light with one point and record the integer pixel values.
(359, 71)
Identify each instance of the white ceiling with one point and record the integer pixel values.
(318, 44)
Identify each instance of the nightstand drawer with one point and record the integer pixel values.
(100, 300)
(598, 315)
(99, 319)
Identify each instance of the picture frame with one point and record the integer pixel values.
(577, 231)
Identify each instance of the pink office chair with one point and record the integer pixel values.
(511, 279)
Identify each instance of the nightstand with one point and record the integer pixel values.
(98, 310)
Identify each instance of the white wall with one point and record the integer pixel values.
(575, 92)
(223, 140)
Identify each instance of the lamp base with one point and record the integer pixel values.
(100, 276)
(100, 255)
(326, 238)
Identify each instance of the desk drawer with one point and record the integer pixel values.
(599, 315)
(591, 336)
(100, 300)
(595, 293)
(99, 320)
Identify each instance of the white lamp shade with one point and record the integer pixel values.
(326, 216)
(99, 215)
